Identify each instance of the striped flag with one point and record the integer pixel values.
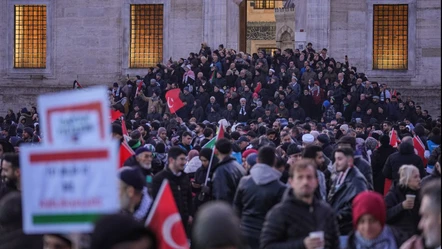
(393, 138)
(211, 143)
(419, 149)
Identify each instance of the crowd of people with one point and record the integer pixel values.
(307, 148)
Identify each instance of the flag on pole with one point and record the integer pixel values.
(393, 138)
(115, 114)
(165, 220)
(125, 153)
(419, 149)
(220, 134)
(173, 100)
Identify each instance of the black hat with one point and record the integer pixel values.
(251, 134)
(132, 177)
(113, 229)
(323, 138)
(116, 128)
(293, 149)
(243, 139)
(29, 130)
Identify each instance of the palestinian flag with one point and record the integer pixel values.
(212, 142)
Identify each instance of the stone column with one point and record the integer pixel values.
(215, 23)
(318, 23)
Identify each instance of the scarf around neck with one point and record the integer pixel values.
(385, 240)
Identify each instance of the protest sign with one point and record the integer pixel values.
(67, 189)
(75, 117)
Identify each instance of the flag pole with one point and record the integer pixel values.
(210, 166)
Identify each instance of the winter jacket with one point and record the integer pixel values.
(255, 196)
(378, 159)
(433, 176)
(226, 178)
(341, 198)
(15, 238)
(397, 216)
(405, 155)
(181, 190)
(288, 223)
(365, 168)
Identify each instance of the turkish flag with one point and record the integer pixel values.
(173, 100)
(387, 186)
(165, 220)
(393, 138)
(115, 115)
(125, 153)
(419, 149)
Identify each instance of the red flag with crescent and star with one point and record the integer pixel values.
(173, 100)
(419, 149)
(165, 220)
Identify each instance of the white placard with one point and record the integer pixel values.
(75, 117)
(66, 189)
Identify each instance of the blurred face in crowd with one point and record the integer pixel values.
(54, 242)
(304, 182)
(369, 227)
(319, 159)
(177, 164)
(430, 223)
(145, 159)
(187, 140)
(342, 162)
(415, 180)
(286, 139)
(9, 174)
(204, 161)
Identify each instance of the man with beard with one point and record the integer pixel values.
(143, 161)
(10, 173)
(289, 223)
(134, 197)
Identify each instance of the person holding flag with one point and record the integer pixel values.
(179, 183)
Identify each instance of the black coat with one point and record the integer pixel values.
(365, 168)
(257, 193)
(397, 216)
(181, 189)
(288, 223)
(15, 238)
(341, 198)
(378, 159)
(405, 155)
(226, 178)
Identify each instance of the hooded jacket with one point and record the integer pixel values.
(226, 178)
(288, 223)
(257, 193)
(405, 155)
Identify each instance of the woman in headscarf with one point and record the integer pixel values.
(203, 192)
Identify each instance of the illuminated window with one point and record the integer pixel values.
(264, 4)
(269, 51)
(146, 35)
(390, 36)
(30, 36)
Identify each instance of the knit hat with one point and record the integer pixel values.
(344, 127)
(323, 138)
(134, 143)
(246, 153)
(326, 104)
(371, 143)
(348, 140)
(141, 150)
(132, 177)
(206, 153)
(369, 202)
(293, 149)
(385, 140)
(29, 130)
(116, 128)
(251, 159)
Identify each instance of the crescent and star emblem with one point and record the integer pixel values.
(170, 102)
(167, 229)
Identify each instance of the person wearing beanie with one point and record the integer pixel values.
(227, 174)
(245, 154)
(250, 161)
(323, 140)
(348, 183)
(143, 159)
(378, 159)
(121, 231)
(370, 230)
(28, 134)
(257, 193)
(360, 163)
(217, 226)
(289, 223)
(134, 196)
(202, 191)
(403, 212)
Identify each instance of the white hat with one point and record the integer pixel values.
(308, 138)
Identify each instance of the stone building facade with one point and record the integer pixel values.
(89, 40)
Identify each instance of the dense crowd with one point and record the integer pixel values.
(305, 159)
